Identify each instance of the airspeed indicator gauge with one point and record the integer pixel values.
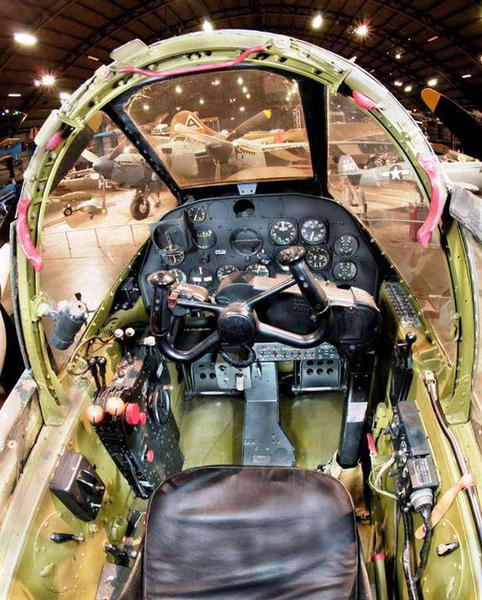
(313, 231)
(283, 232)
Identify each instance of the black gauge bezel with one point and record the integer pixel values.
(202, 266)
(194, 208)
(164, 251)
(257, 264)
(274, 223)
(320, 249)
(235, 269)
(357, 241)
(338, 263)
(322, 222)
(237, 250)
(213, 238)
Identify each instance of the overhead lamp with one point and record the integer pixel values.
(432, 82)
(362, 30)
(145, 107)
(207, 26)
(241, 109)
(407, 88)
(24, 39)
(248, 96)
(201, 100)
(215, 82)
(178, 89)
(466, 76)
(240, 81)
(36, 82)
(94, 58)
(14, 95)
(398, 55)
(48, 80)
(432, 39)
(316, 21)
(245, 90)
(398, 83)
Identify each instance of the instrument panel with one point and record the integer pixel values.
(204, 242)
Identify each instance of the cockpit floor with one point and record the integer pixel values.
(211, 428)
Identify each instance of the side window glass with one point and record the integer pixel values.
(368, 174)
(97, 217)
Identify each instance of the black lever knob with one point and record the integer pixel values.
(291, 256)
(161, 279)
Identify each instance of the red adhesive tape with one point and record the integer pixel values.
(431, 167)
(195, 68)
(23, 235)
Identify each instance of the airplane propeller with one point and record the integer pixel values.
(257, 120)
(461, 123)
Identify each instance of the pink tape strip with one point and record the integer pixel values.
(23, 235)
(53, 141)
(195, 68)
(431, 166)
(363, 101)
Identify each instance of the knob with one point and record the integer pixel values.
(161, 279)
(291, 256)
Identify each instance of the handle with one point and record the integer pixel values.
(431, 167)
(23, 235)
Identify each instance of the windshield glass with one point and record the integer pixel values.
(230, 126)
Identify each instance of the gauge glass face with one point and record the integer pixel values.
(172, 255)
(345, 270)
(346, 245)
(179, 275)
(224, 271)
(313, 231)
(201, 275)
(197, 214)
(283, 232)
(318, 258)
(204, 238)
(246, 241)
(258, 269)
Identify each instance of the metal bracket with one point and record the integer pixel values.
(264, 441)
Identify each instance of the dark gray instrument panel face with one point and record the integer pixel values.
(207, 240)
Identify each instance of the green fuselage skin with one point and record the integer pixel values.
(52, 410)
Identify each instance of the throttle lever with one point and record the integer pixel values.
(294, 258)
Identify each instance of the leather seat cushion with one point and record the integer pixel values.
(251, 532)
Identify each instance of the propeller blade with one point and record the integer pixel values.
(89, 155)
(461, 123)
(118, 149)
(253, 122)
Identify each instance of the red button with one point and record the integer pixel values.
(150, 455)
(142, 418)
(132, 414)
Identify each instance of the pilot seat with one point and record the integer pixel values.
(243, 533)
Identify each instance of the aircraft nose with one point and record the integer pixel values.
(104, 166)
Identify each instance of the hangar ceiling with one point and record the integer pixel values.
(406, 44)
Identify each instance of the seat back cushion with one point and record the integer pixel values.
(250, 532)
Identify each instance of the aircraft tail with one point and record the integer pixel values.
(347, 166)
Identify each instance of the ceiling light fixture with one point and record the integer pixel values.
(178, 89)
(240, 81)
(398, 83)
(94, 58)
(466, 76)
(201, 100)
(48, 80)
(407, 88)
(398, 55)
(207, 26)
(14, 95)
(317, 21)
(432, 39)
(36, 82)
(432, 82)
(24, 39)
(241, 109)
(145, 107)
(362, 30)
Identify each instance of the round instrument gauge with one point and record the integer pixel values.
(224, 271)
(318, 258)
(345, 270)
(257, 269)
(246, 241)
(179, 275)
(204, 238)
(346, 245)
(283, 232)
(196, 214)
(172, 255)
(201, 275)
(313, 231)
